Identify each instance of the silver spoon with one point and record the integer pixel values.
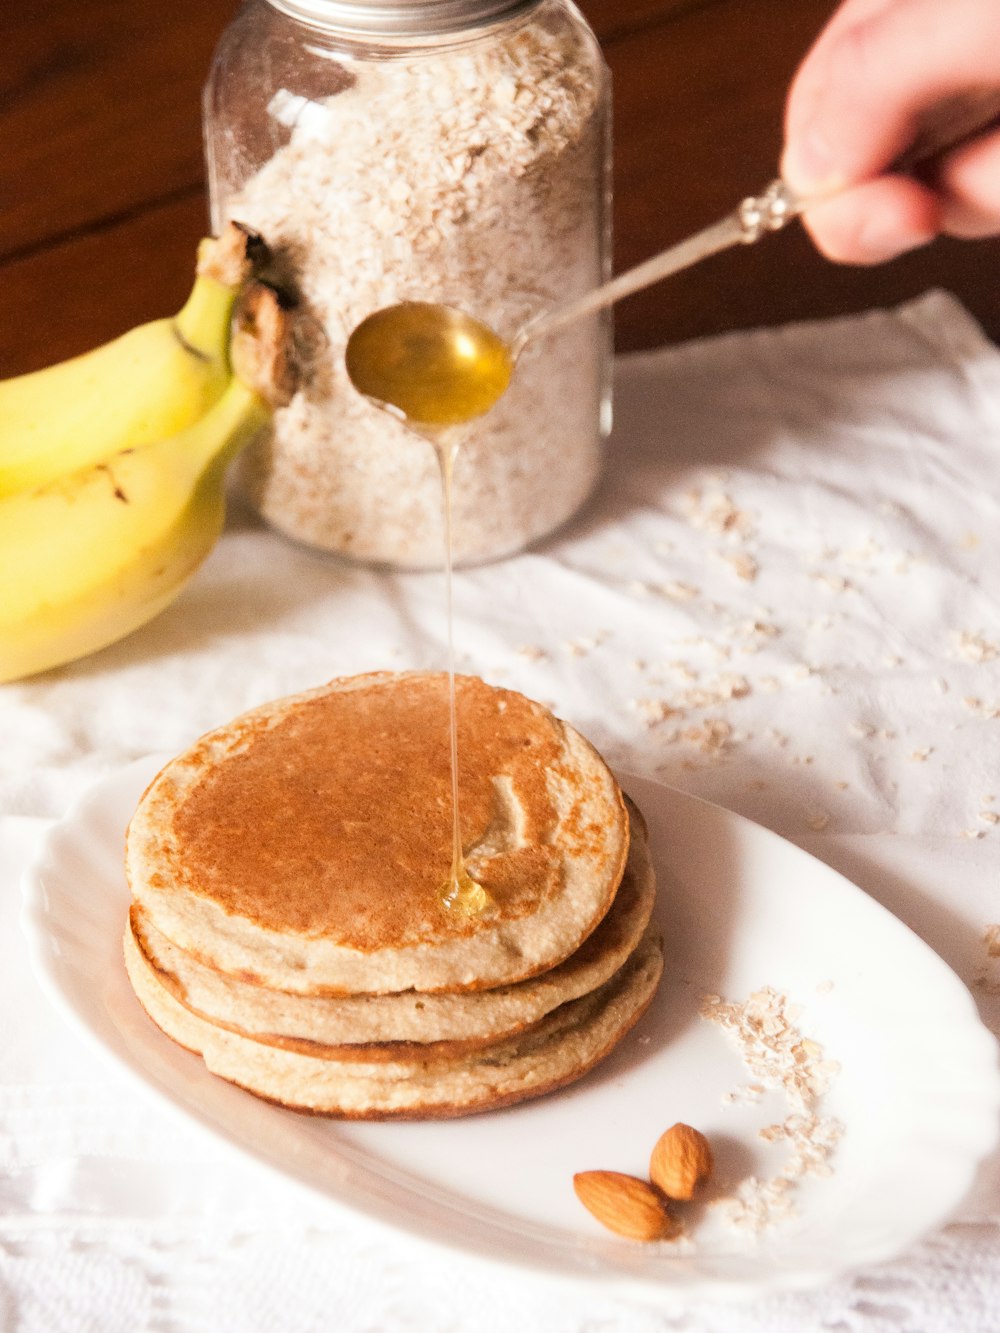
(437, 366)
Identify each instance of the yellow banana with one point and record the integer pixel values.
(90, 557)
(150, 383)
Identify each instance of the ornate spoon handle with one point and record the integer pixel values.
(946, 126)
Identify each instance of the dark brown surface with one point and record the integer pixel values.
(102, 189)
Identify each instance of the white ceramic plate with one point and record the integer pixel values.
(918, 1092)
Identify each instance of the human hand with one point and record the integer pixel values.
(857, 103)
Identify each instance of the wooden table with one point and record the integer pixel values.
(102, 182)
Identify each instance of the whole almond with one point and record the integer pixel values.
(681, 1161)
(626, 1205)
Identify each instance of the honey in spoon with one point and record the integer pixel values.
(430, 364)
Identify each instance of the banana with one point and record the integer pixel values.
(148, 384)
(90, 557)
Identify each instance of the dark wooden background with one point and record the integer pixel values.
(102, 193)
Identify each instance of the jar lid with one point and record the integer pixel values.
(400, 18)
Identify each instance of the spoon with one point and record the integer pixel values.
(435, 366)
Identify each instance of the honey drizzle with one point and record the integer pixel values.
(459, 892)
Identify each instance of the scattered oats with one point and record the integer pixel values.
(759, 629)
(834, 582)
(941, 685)
(921, 756)
(637, 588)
(972, 833)
(716, 513)
(743, 566)
(891, 508)
(757, 1204)
(638, 664)
(825, 987)
(575, 648)
(817, 820)
(772, 1048)
(729, 686)
(777, 738)
(970, 541)
(886, 734)
(532, 652)
(867, 551)
(677, 592)
(655, 711)
(988, 799)
(757, 784)
(820, 623)
(802, 671)
(991, 938)
(862, 730)
(989, 817)
(812, 1140)
(711, 737)
(663, 548)
(747, 1094)
(768, 684)
(975, 648)
(892, 660)
(842, 786)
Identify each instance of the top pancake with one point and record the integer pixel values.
(304, 845)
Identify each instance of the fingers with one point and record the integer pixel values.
(858, 102)
(875, 221)
(969, 183)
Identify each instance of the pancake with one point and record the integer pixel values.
(302, 847)
(342, 1024)
(561, 1048)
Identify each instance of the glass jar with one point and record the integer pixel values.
(436, 150)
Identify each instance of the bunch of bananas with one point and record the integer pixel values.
(112, 464)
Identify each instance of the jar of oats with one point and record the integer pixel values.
(434, 150)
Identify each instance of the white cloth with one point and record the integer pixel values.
(784, 598)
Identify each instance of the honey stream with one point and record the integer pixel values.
(459, 892)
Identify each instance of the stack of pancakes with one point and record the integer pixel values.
(288, 921)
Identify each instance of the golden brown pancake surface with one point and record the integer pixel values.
(336, 820)
(304, 845)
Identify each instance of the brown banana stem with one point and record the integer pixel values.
(261, 344)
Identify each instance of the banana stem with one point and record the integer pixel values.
(225, 265)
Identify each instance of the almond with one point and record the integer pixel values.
(681, 1161)
(626, 1205)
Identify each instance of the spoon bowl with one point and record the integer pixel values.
(430, 364)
